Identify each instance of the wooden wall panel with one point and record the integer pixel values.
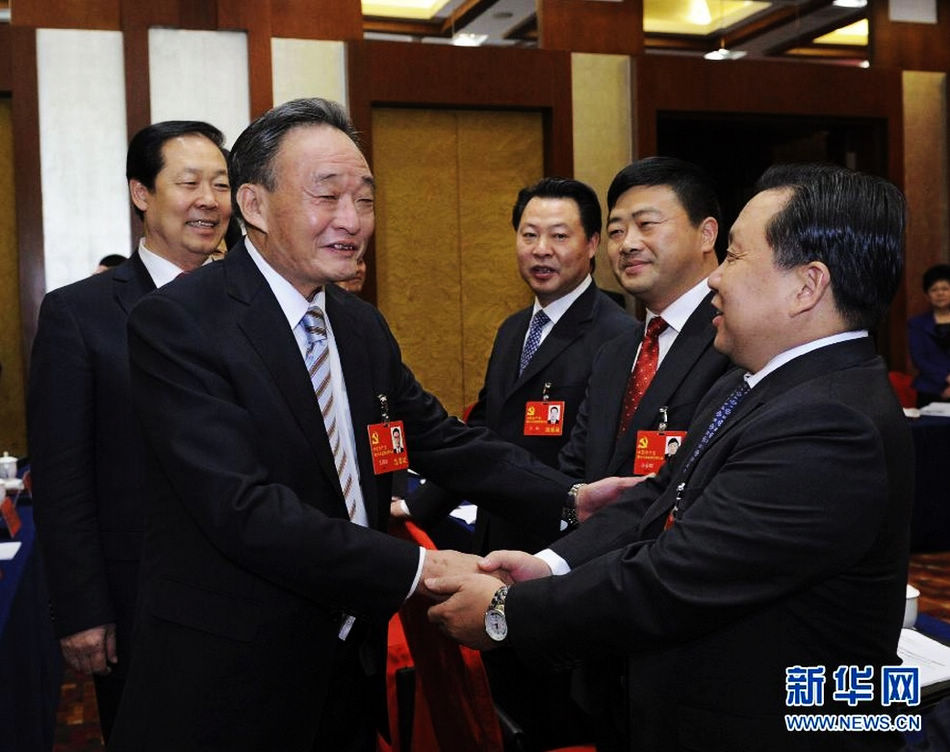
(12, 404)
(498, 154)
(911, 46)
(26, 174)
(340, 20)
(676, 84)
(584, 26)
(391, 73)
(6, 59)
(926, 180)
(66, 14)
(445, 261)
(417, 240)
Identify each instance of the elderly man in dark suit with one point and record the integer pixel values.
(267, 581)
(541, 367)
(777, 539)
(662, 224)
(85, 449)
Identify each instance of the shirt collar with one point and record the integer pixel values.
(784, 357)
(678, 312)
(160, 269)
(291, 302)
(558, 308)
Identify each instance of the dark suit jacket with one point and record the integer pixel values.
(249, 556)
(690, 367)
(564, 360)
(85, 450)
(790, 548)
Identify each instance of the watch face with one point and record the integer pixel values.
(495, 625)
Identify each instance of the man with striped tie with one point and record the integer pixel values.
(267, 395)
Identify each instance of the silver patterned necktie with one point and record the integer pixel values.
(318, 364)
(533, 341)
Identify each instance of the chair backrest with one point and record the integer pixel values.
(451, 676)
(901, 383)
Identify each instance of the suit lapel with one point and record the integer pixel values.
(688, 347)
(130, 282)
(510, 352)
(264, 324)
(823, 360)
(569, 327)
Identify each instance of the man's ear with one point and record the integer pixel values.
(593, 244)
(709, 229)
(252, 201)
(139, 194)
(814, 283)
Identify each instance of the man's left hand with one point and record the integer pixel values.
(594, 496)
(462, 617)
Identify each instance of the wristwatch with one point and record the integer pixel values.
(569, 512)
(495, 624)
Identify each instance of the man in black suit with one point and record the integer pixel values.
(777, 539)
(267, 581)
(86, 453)
(534, 385)
(662, 224)
(557, 231)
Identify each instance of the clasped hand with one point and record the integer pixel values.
(462, 615)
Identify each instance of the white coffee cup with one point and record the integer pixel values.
(7, 466)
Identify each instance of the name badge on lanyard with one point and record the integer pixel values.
(545, 417)
(387, 443)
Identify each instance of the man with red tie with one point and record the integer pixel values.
(662, 224)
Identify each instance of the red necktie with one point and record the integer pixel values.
(642, 373)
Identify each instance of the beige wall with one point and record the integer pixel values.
(12, 411)
(925, 178)
(600, 91)
(445, 262)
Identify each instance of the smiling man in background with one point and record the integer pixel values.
(85, 449)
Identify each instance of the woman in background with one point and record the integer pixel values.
(928, 337)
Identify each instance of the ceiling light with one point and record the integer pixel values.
(850, 3)
(723, 54)
(465, 39)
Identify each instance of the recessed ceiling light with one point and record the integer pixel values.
(464, 39)
(723, 54)
(850, 3)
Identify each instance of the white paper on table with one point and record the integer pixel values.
(930, 656)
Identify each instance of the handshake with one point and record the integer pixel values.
(465, 585)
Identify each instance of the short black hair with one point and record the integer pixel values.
(851, 222)
(145, 160)
(252, 156)
(938, 273)
(580, 193)
(113, 259)
(694, 188)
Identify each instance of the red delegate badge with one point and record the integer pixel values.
(387, 443)
(544, 418)
(654, 448)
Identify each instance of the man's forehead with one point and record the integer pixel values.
(560, 209)
(177, 147)
(642, 199)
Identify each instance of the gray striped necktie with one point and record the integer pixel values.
(318, 364)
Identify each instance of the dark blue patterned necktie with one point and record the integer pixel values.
(534, 339)
(721, 416)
